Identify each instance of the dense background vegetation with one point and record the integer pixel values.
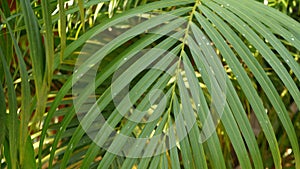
(258, 46)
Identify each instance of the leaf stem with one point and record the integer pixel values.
(190, 18)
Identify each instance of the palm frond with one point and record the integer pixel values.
(149, 84)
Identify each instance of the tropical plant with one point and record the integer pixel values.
(149, 84)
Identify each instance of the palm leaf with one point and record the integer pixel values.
(218, 35)
(160, 84)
